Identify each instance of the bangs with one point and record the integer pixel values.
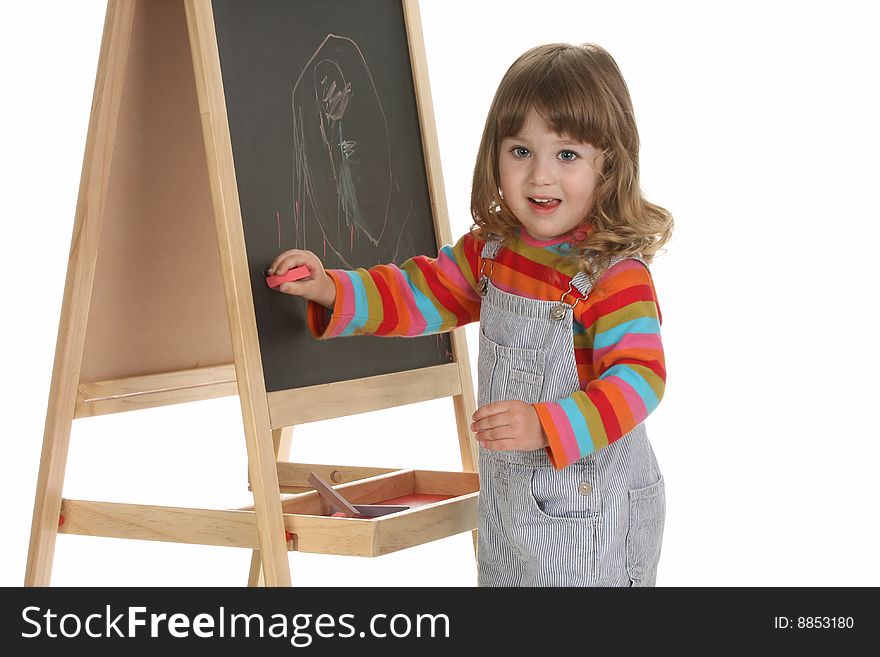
(559, 90)
(581, 95)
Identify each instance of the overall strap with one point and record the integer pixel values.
(579, 281)
(582, 282)
(487, 264)
(490, 248)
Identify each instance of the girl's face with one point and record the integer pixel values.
(547, 180)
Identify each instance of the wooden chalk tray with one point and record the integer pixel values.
(442, 504)
(430, 517)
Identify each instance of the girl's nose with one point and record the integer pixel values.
(541, 172)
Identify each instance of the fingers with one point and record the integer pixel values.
(491, 422)
(317, 286)
(495, 436)
(491, 409)
(505, 445)
(498, 425)
(499, 438)
(286, 261)
(291, 287)
(276, 263)
(494, 429)
(505, 426)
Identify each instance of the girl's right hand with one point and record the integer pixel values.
(318, 287)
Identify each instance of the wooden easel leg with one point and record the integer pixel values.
(464, 411)
(281, 438)
(237, 287)
(78, 289)
(465, 406)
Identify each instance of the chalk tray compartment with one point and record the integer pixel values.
(428, 519)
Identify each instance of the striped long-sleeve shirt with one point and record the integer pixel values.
(619, 355)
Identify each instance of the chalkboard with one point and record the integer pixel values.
(328, 157)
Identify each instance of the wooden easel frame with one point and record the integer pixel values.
(79, 390)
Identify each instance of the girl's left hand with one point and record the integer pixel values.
(509, 425)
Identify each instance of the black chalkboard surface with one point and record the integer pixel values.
(328, 157)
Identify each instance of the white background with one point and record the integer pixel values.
(759, 133)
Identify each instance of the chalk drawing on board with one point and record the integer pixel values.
(342, 169)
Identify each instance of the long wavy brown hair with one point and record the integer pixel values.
(582, 95)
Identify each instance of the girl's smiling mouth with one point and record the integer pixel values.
(543, 204)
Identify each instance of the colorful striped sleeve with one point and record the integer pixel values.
(422, 296)
(623, 325)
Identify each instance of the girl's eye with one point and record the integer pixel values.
(520, 151)
(568, 156)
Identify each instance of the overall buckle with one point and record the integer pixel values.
(558, 311)
(483, 285)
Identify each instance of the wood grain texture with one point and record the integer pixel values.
(94, 181)
(239, 300)
(372, 393)
(310, 530)
(155, 390)
(157, 301)
(464, 402)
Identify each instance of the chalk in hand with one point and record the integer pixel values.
(292, 275)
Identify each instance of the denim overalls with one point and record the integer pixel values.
(598, 521)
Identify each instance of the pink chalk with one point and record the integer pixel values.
(292, 275)
(339, 514)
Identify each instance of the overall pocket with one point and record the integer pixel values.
(519, 374)
(565, 494)
(647, 514)
(555, 524)
(509, 372)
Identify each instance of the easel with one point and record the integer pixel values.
(161, 57)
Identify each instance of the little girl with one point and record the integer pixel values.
(570, 360)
